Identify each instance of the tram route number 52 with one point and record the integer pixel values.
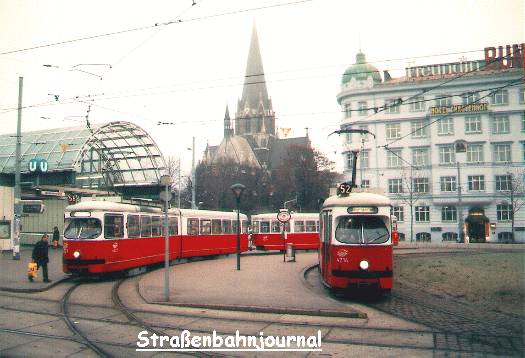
(344, 188)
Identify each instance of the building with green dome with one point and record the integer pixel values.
(360, 71)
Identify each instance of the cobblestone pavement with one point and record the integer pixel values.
(458, 325)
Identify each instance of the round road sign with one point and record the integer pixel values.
(283, 216)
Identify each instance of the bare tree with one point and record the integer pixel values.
(513, 190)
(173, 168)
(415, 184)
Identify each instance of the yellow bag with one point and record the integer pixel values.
(32, 268)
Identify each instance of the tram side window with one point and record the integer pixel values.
(133, 226)
(265, 227)
(145, 226)
(317, 229)
(276, 226)
(216, 227)
(310, 226)
(173, 224)
(193, 227)
(245, 226)
(298, 226)
(205, 226)
(255, 227)
(155, 226)
(234, 226)
(113, 226)
(227, 226)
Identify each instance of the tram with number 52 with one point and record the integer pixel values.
(356, 240)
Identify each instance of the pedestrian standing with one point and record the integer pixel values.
(56, 237)
(40, 255)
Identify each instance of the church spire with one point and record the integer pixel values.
(254, 89)
(227, 124)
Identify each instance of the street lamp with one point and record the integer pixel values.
(237, 191)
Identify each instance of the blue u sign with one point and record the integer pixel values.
(38, 165)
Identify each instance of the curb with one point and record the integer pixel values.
(35, 290)
(257, 309)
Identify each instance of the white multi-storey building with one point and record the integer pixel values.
(417, 119)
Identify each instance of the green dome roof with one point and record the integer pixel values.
(361, 70)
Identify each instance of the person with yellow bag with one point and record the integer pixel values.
(32, 268)
(40, 256)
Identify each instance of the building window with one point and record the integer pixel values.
(348, 137)
(473, 124)
(393, 130)
(500, 97)
(364, 137)
(423, 237)
(523, 122)
(504, 212)
(422, 214)
(449, 213)
(443, 101)
(420, 185)
(448, 184)
(476, 182)
(522, 96)
(393, 158)
(469, 98)
(447, 154)
(419, 129)
(475, 153)
(446, 126)
(348, 110)
(420, 156)
(365, 183)
(395, 186)
(248, 125)
(500, 125)
(363, 159)
(398, 212)
(417, 104)
(503, 182)
(392, 106)
(502, 153)
(362, 108)
(449, 236)
(505, 236)
(349, 160)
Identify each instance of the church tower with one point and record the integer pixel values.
(255, 119)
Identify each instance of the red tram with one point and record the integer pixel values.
(302, 231)
(356, 241)
(102, 236)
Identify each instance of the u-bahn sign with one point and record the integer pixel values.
(38, 165)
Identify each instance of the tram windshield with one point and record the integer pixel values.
(361, 230)
(82, 228)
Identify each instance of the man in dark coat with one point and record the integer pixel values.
(40, 255)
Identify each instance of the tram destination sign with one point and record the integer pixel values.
(362, 210)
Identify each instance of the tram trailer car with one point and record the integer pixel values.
(101, 236)
(302, 231)
(356, 242)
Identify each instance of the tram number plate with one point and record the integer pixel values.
(344, 189)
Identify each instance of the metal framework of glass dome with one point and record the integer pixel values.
(102, 156)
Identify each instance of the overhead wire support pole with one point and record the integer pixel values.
(18, 168)
(193, 176)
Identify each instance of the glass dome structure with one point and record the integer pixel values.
(105, 155)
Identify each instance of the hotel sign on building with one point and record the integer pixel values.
(460, 108)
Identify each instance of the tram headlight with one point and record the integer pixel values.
(76, 254)
(364, 265)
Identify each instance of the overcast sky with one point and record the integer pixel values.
(187, 72)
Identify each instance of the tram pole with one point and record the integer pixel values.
(166, 196)
(237, 191)
(18, 190)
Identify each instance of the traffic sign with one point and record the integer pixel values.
(284, 216)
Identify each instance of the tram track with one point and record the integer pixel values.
(71, 324)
